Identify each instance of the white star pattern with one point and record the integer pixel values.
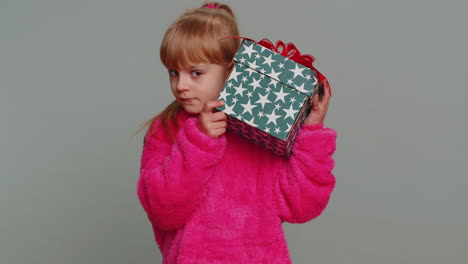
(250, 71)
(262, 49)
(280, 95)
(274, 75)
(290, 112)
(249, 50)
(297, 71)
(315, 81)
(234, 74)
(272, 117)
(255, 83)
(223, 95)
(254, 65)
(269, 105)
(268, 60)
(251, 122)
(228, 110)
(273, 82)
(248, 107)
(301, 88)
(263, 100)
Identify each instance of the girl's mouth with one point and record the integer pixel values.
(188, 100)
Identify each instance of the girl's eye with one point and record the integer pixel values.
(196, 73)
(173, 72)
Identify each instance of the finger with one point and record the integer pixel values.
(326, 93)
(210, 105)
(326, 97)
(218, 116)
(323, 105)
(328, 90)
(320, 90)
(220, 131)
(215, 133)
(315, 102)
(213, 125)
(219, 125)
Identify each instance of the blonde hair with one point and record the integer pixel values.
(200, 35)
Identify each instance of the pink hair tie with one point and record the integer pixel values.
(212, 6)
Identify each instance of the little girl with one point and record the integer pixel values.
(211, 195)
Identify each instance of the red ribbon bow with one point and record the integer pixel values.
(290, 51)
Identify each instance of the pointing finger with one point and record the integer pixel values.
(210, 105)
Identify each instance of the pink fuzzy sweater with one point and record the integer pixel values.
(223, 200)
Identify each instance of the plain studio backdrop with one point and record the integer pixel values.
(78, 77)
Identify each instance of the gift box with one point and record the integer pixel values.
(267, 97)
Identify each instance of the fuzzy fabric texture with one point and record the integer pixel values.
(223, 200)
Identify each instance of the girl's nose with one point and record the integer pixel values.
(183, 83)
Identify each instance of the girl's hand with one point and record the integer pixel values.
(212, 124)
(319, 106)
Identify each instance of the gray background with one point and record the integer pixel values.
(78, 77)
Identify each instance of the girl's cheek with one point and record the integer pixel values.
(173, 82)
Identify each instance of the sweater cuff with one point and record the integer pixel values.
(317, 139)
(312, 127)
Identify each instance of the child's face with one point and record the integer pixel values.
(198, 84)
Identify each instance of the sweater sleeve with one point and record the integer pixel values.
(172, 175)
(304, 182)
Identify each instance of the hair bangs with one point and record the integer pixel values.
(190, 42)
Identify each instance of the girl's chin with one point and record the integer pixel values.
(192, 110)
